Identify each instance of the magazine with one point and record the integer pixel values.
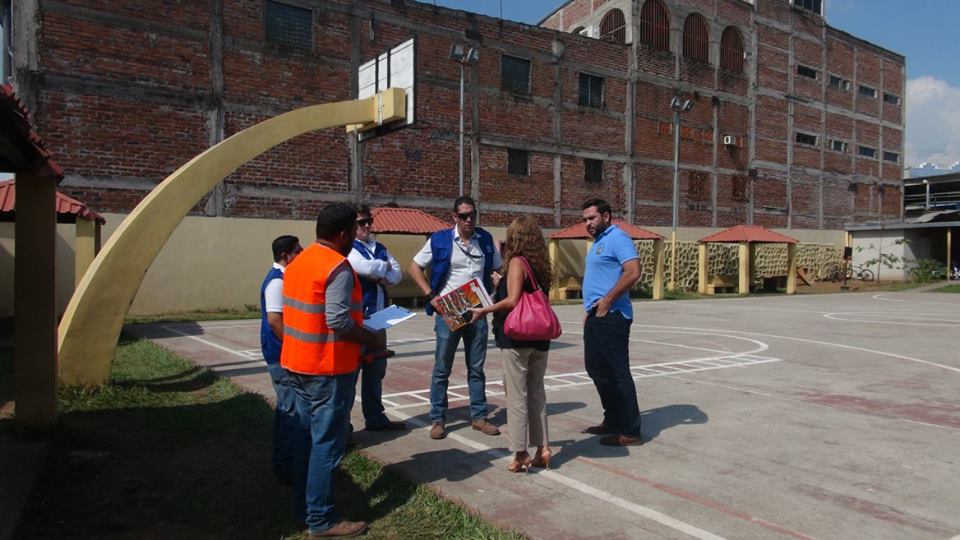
(455, 306)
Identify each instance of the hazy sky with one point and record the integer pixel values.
(925, 31)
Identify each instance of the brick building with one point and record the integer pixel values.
(795, 124)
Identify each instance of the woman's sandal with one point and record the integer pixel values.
(542, 457)
(520, 463)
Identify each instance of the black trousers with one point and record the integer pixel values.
(607, 358)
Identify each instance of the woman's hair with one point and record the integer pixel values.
(525, 239)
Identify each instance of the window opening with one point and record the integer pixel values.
(806, 138)
(655, 25)
(593, 171)
(515, 74)
(613, 27)
(807, 71)
(731, 50)
(289, 26)
(518, 162)
(866, 151)
(591, 91)
(696, 38)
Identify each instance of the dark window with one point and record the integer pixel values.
(697, 186)
(838, 146)
(806, 71)
(731, 50)
(892, 157)
(809, 5)
(515, 74)
(6, 51)
(655, 25)
(593, 171)
(806, 138)
(866, 151)
(696, 38)
(613, 27)
(738, 188)
(518, 162)
(839, 83)
(868, 91)
(892, 99)
(591, 91)
(290, 26)
(578, 30)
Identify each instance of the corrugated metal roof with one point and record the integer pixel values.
(21, 149)
(66, 206)
(579, 231)
(387, 219)
(750, 234)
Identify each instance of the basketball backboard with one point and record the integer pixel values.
(395, 68)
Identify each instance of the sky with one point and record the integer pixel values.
(925, 31)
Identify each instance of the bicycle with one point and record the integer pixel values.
(833, 273)
(860, 272)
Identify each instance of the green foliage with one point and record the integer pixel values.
(948, 289)
(223, 314)
(926, 270)
(887, 259)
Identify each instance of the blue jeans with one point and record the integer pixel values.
(286, 425)
(475, 350)
(371, 392)
(323, 406)
(606, 351)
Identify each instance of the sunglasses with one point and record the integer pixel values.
(466, 215)
(365, 222)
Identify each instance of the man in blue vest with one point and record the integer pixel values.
(377, 270)
(285, 423)
(455, 256)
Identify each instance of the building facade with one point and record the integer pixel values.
(794, 123)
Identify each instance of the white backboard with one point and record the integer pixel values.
(395, 68)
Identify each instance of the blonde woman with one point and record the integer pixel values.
(524, 362)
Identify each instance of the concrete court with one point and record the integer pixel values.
(815, 416)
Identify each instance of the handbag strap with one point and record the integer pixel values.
(529, 273)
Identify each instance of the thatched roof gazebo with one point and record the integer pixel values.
(578, 231)
(747, 236)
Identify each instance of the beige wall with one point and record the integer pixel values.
(213, 263)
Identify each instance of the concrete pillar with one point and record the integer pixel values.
(35, 309)
(553, 250)
(791, 269)
(744, 258)
(949, 252)
(658, 260)
(85, 247)
(702, 268)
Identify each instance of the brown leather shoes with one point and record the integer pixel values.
(438, 431)
(344, 529)
(620, 440)
(600, 429)
(486, 427)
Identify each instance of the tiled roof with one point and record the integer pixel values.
(579, 230)
(405, 221)
(66, 206)
(749, 234)
(21, 149)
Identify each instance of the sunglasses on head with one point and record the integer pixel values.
(365, 222)
(466, 215)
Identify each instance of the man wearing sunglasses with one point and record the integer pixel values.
(455, 256)
(377, 270)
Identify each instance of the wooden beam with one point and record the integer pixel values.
(35, 307)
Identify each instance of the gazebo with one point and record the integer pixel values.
(747, 236)
(23, 153)
(578, 231)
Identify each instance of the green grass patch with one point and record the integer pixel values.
(947, 289)
(250, 312)
(895, 286)
(170, 450)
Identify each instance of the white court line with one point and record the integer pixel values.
(885, 299)
(206, 342)
(840, 317)
(586, 489)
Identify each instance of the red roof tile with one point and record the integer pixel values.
(579, 230)
(66, 206)
(21, 149)
(750, 234)
(387, 219)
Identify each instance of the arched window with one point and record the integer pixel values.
(731, 50)
(577, 30)
(696, 38)
(655, 25)
(613, 27)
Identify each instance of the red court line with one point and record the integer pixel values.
(703, 501)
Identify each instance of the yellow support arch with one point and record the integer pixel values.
(91, 325)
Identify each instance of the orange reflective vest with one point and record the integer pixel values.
(309, 346)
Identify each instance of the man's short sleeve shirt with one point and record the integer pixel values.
(604, 267)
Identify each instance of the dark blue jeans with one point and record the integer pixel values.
(475, 350)
(371, 392)
(286, 425)
(606, 344)
(323, 406)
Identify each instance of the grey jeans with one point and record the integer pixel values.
(523, 371)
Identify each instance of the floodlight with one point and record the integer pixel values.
(687, 105)
(473, 56)
(458, 51)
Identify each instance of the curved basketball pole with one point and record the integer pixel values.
(94, 317)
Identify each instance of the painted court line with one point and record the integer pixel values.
(205, 342)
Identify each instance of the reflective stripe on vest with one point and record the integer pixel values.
(309, 345)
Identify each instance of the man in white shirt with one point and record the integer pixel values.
(377, 270)
(455, 256)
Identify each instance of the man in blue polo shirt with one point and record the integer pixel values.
(612, 269)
